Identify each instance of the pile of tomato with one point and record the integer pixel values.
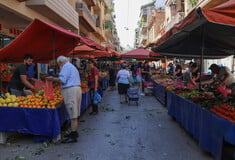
(225, 111)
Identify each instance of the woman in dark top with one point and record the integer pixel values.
(145, 71)
(178, 70)
(196, 72)
(111, 77)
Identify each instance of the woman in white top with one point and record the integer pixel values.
(124, 82)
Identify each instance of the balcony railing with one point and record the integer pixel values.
(86, 10)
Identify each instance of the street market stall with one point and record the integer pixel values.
(139, 53)
(207, 115)
(41, 113)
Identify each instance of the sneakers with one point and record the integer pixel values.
(72, 134)
(93, 113)
(142, 94)
(69, 140)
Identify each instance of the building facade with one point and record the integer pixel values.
(84, 17)
(16, 15)
(142, 32)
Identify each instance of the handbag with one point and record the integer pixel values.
(97, 98)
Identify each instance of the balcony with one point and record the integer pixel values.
(100, 34)
(90, 3)
(85, 17)
(61, 12)
(108, 33)
(144, 28)
(144, 40)
(97, 6)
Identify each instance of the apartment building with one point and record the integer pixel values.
(84, 17)
(149, 28)
(91, 19)
(16, 15)
(112, 39)
(143, 31)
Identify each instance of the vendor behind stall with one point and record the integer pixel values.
(19, 79)
(223, 76)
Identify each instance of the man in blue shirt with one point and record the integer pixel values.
(69, 79)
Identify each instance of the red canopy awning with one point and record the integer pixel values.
(113, 52)
(184, 39)
(92, 44)
(82, 48)
(139, 53)
(38, 40)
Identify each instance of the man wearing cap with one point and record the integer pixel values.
(224, 76)
(178, 70)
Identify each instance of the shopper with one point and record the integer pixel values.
(178, 70)
(69, 79)
(93, 83)
(171, 69)
(19, 80)
(145, 71)
(124, 82)
(187, 75)
(111, 77)
(74, 62)
(138, 78)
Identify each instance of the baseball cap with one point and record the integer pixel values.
(213, 66)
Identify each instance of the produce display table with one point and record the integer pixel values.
(37, 121)
(209, 129)
(160, 93)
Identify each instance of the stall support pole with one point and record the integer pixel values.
(53, 50)
(202, 55)
(0, 80)
(2, 46)
(73, 48)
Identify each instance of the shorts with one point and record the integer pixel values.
(138, 79)
(72, 100)
(122, 88)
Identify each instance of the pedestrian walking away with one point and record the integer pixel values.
(124, 82)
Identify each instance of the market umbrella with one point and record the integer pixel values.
(42, 40)
(204, 32)
(113, 52)
(92, 44)
(139, 53)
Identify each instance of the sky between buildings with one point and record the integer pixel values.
(127, 15)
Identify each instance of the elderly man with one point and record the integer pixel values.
(71, 91)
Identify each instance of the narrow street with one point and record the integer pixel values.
(118, 132)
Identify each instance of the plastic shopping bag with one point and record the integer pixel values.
(97, 98)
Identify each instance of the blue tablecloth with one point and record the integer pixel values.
(86, 101)
(37, 121)
(160, 93)
(46, 122)
(209, 129)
